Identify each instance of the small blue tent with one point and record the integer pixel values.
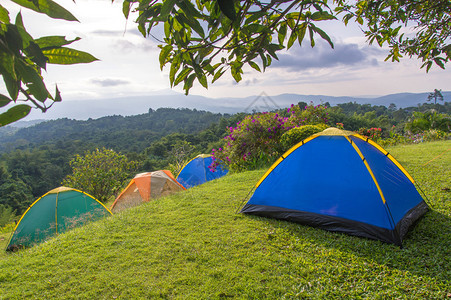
(340, 181)
(196, 171)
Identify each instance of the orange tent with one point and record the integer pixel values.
(146, 186)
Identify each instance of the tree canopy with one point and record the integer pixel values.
(203, 39)
(100, 173)
(23, 58)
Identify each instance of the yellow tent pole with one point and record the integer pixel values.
(385, 152)
(367, 167)
(374, 179)
(23, 215)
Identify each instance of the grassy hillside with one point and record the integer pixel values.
(193, 245)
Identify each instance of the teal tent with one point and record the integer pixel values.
(55, 212)
(340, 181)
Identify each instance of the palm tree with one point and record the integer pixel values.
(436, 95)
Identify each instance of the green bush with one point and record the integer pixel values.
(431, 119)
(7, 215)
(297, 134)
(101, 173)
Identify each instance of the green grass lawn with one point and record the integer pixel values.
(193, 245)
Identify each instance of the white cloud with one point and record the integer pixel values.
(129, 62)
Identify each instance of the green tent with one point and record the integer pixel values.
(59, 210)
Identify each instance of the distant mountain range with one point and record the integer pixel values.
(85, 109)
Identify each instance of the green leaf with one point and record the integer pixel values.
(301, 33)
(206, 66)
(272, 48)
(57, 97)
(312, 41)
(189, 9)
(193, 23)
(218, 75)
(254, 66)
(439, 62)
(8, 72)
(201, 76)
(175, 66)
(255, 28)
(4, 15)
(359, 20)
(35, 54)
(182, 75)
(164, 53)
(49, 42)
(236, 70)
(142, 29)
(6, 62)
(12, 85)
(126, 8)
(292, 38)
(447, 51)
(48, 7)
(14, 113)
(13, 39)
(26, 37)
(227, 7)
(268, 60)
(167, 28)
(323, 35)
(166, 9)
(68, 56)
(4, 100)
(264, 60)
(33, 80)
(254, 17)
(322, 15)
(282, 33)
(189, 83)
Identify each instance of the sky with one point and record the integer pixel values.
(128, 63)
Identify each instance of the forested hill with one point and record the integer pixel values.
(132, 133)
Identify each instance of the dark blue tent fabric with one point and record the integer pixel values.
(326, 183)
(197, 172)
(400, 194)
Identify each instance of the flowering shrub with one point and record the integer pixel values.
(435, 135)
(339, 125)
(255, 141)
(428, 136)
(372, 133)
(425, 136)
(297, 134)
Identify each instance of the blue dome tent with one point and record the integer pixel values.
(196, 171)
(340, 181)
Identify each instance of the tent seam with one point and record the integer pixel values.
(356, 148)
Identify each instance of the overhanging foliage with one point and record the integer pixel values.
(23, 58)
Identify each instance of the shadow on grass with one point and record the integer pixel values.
(424, 251)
